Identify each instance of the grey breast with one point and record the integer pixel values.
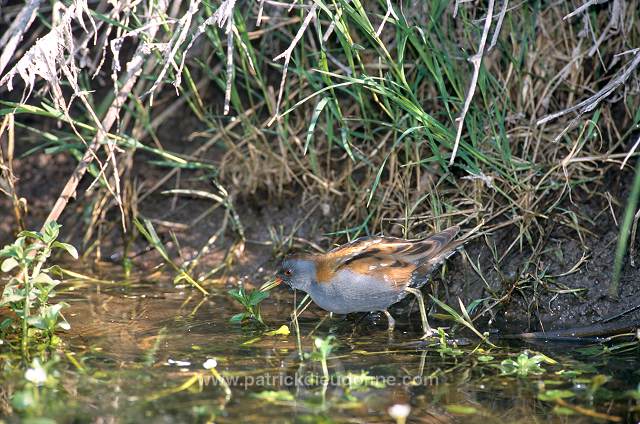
(350, 292)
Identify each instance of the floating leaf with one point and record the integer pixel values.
(282, 331)
(561, 410)
(485, 358)
(461, 409)
(275, 396)
(550, 395)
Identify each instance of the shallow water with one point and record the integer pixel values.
(135, 353)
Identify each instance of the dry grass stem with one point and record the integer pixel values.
(476, 61)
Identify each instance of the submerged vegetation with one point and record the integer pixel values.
(188, 146)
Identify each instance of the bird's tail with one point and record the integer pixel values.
(437, 248)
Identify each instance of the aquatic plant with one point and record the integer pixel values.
(443, 345)
(40, 388)
(28, 292)
(359, 382)
(525, 365)
(251, 302)
(322, 350)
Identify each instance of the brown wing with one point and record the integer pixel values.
(395, 258)
(394, 270)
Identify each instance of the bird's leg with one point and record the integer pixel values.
(392, 325)
(392, 322)
(428, 331)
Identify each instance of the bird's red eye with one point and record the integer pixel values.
(288, 272)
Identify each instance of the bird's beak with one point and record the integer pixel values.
(271, 284)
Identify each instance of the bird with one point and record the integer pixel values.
(369, 274)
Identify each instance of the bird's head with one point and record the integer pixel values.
(298, 272)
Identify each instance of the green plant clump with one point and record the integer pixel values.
(251, 302)
(525, 365)
(322, 349)
(28, 292)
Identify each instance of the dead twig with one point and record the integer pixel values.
(179, 36)
(390, 12)
(584, 7)
(496, 32)
(476, 60)
(592, 102)
(287, 57)
(129, 80)
(12, 37)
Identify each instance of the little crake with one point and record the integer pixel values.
(369, 274)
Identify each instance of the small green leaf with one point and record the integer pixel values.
(68, 247)
(15, 250)
(473, 305)
(23, 400)
(550, 395)
(257, 296)
(561, 410)
(55, 270)
(275, 396)
(30, 234)
(8, 264)
(6, 251)
(238, 294)
(251, 341)
(64, 325)
(37, 322)
(238, 318)
(44, 278)
(539, 357)
(51, 232)
(5, 323)
(461, 409)
(598, 380)
(8, 298)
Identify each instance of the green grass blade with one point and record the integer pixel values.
(625, 231)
